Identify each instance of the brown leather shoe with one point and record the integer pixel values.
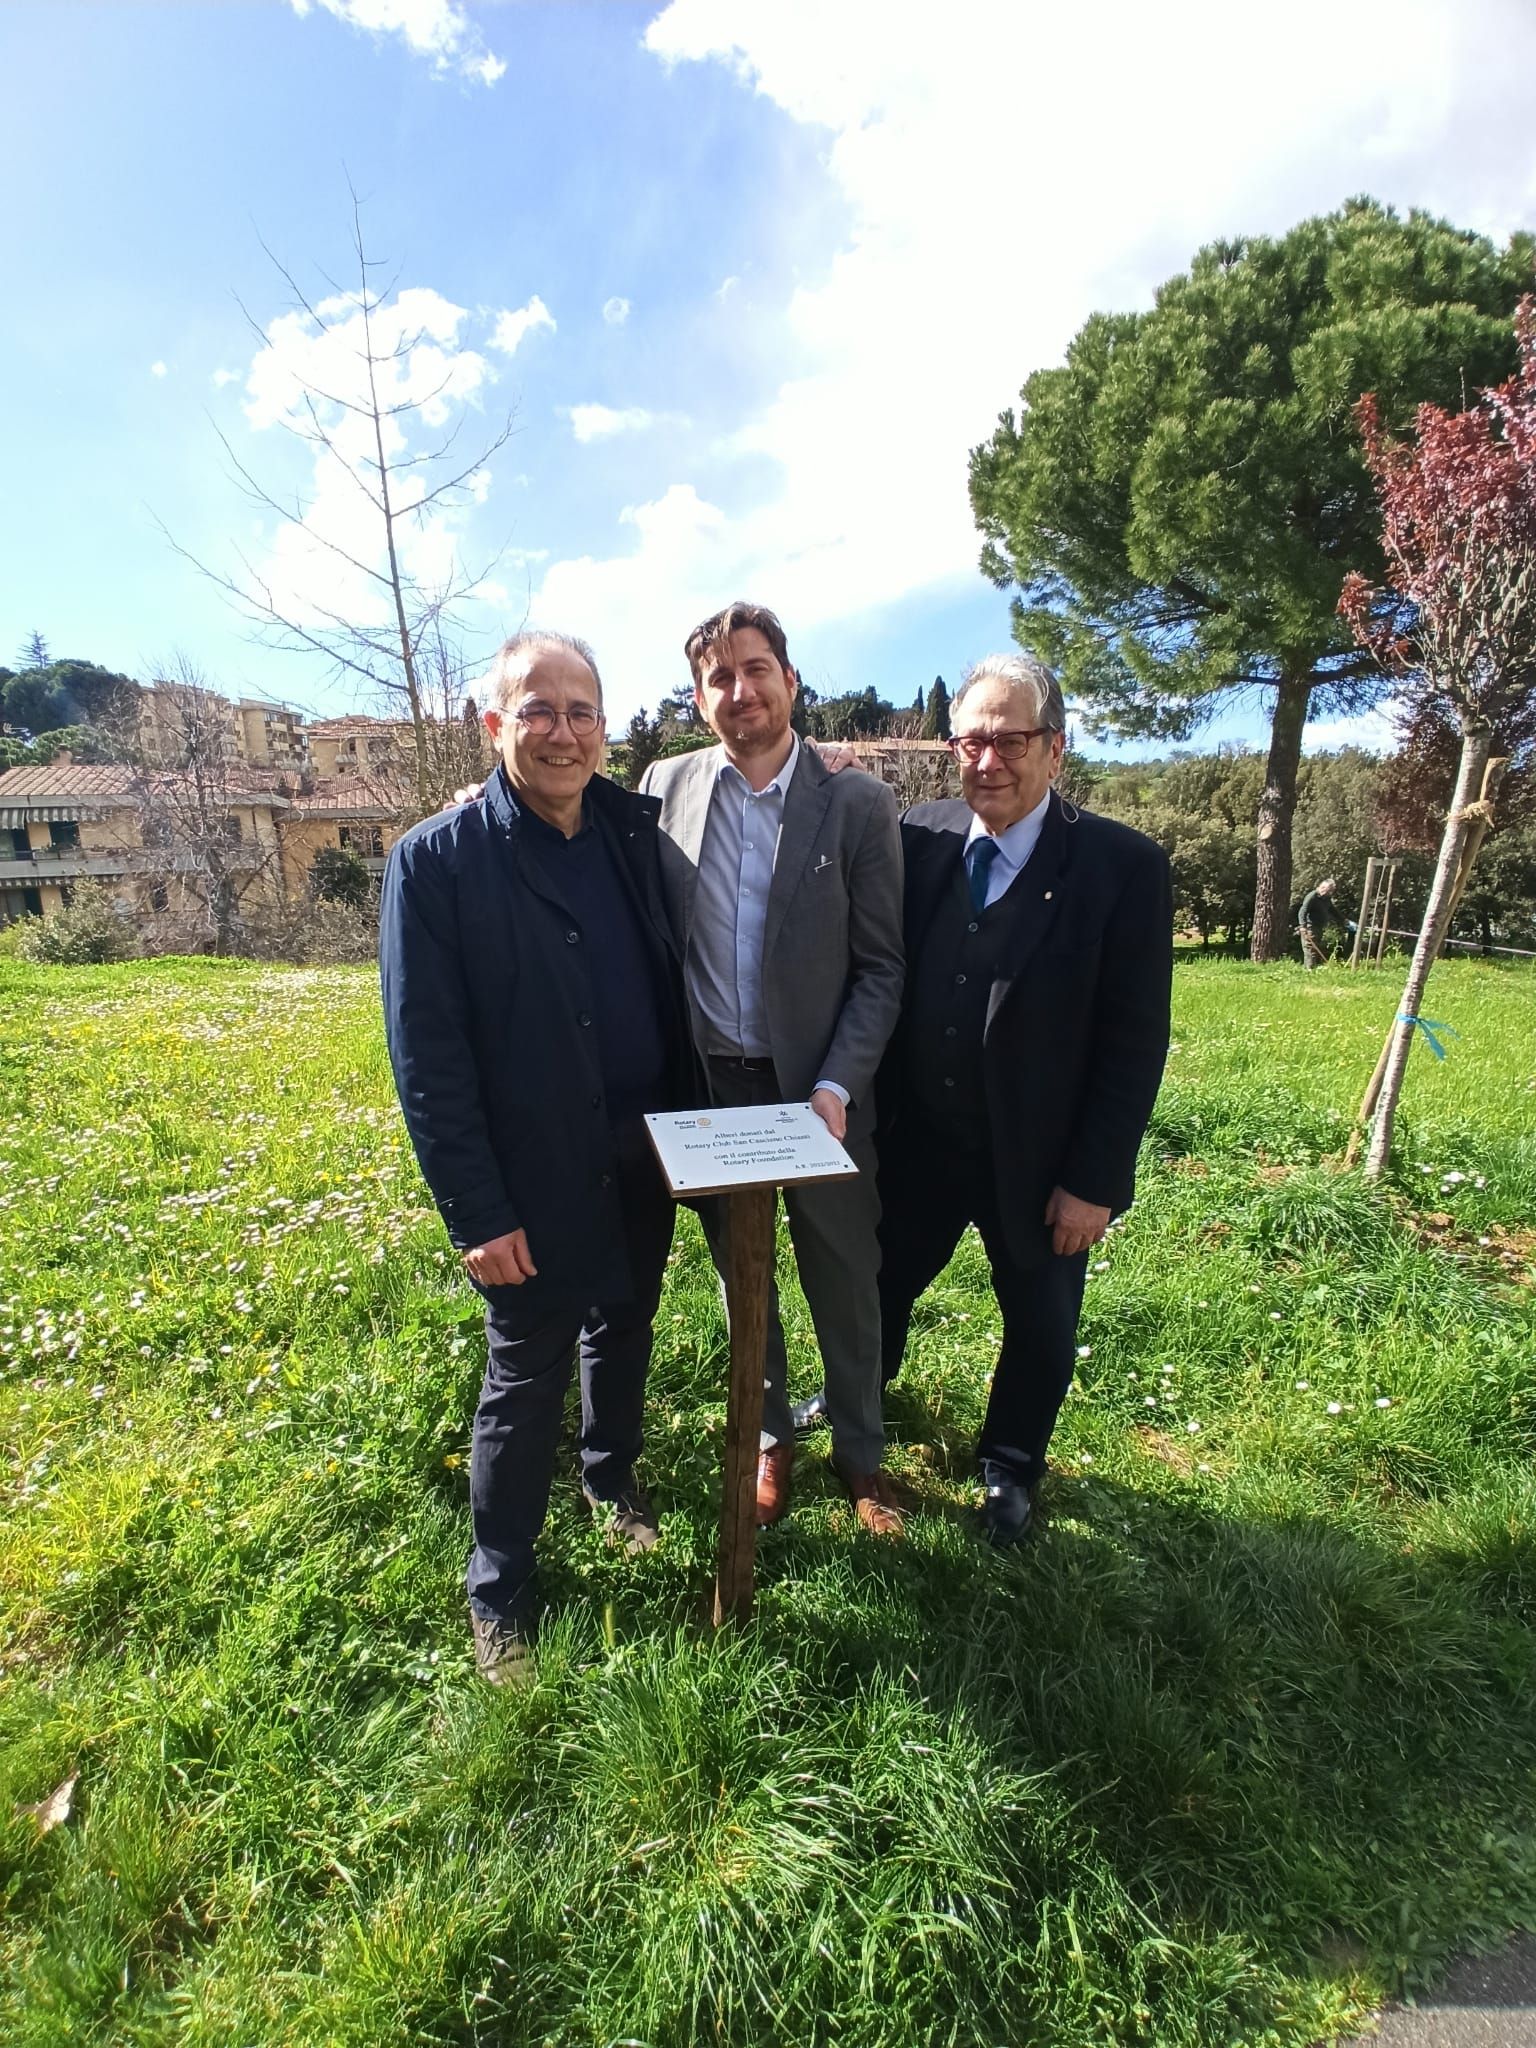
(773, 1469)
(875, 1502)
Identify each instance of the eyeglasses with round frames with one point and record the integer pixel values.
(1008, 746)
(540, 720)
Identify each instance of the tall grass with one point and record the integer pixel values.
(1244, 1738)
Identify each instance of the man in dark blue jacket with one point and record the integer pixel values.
(1024, 1066)
(533, 1007)
(1031, 1044)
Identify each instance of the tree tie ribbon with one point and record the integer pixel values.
(1429, 1026)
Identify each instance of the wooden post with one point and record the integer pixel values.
(1385, 901)
(749, 1221)
(1365, 901)
(742, 1156)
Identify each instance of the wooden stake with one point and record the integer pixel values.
(749, 1219)
(1366, 896)
(1390, 868)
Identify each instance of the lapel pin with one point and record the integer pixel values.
(1047, 895)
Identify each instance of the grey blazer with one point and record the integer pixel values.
(832, 947)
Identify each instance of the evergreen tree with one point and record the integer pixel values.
(34, 653)
(936, 712)
(1180, 503)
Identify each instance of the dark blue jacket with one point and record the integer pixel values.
(488, 1011)
(1077, 1019)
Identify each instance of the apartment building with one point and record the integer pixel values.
(358, 745)
(64, 822)
(176, 719)
(271, 735)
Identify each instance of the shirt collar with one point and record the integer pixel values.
(780, 782)
(1017, 841)
(539, 829)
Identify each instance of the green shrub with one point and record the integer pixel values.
(90, 931)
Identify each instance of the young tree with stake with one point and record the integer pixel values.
(1456, 626)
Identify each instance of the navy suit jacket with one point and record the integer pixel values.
(1077, 1018)
(488, 1015)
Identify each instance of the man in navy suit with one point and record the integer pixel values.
(1033, 1033)
(534, 1009)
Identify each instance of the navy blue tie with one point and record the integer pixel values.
(983, 852)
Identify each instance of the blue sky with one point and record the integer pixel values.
(772, 267)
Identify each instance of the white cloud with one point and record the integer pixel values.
(223, 377)
(602, 422)
(438, 29)
(425, 377)
(979, 238)
(1374, 732)
(511, 328)
(158, 370)
(615, 311)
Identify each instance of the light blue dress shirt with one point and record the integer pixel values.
(1014, 846)
(725, 956)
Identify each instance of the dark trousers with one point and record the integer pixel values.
(832, 1228)
(517, 1424)
(931, 1187)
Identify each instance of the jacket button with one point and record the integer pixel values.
(605, 1180)
(583, 1019)
(572, 938)
(597, 1102)
(973, 927)
(959, 981)
(949, 1080)
(949, 1031)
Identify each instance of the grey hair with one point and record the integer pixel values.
(519, 654)
(1019, 672)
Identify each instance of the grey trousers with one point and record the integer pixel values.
(833, 1227)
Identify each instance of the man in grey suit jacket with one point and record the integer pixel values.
(785, 883)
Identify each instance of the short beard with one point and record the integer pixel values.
(756, 739)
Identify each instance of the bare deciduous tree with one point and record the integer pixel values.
(188, 798)
(388, 626)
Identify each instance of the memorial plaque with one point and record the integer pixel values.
(716, 1151)
(746, 1156)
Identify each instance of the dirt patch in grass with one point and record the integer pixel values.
(1177, 1453)
(1510, 1252)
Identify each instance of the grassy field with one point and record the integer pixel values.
(1245, 1737)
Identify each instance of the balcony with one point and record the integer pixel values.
(44, 864)
(65, 863)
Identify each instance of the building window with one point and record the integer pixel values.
(63, 832)
(368, 840)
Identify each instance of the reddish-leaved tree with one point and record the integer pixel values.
(1456, 627)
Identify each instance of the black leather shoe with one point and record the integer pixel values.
(1007, 1507)
(809, 1415)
